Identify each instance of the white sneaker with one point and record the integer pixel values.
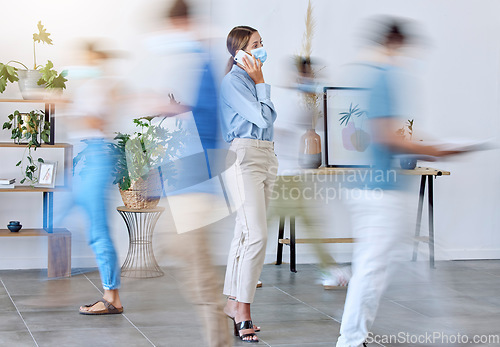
(336, 277)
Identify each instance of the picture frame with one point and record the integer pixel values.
(47, 174)
(347, 140)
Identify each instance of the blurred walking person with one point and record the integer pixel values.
(376, 212)
(88, 117)
(182, 87)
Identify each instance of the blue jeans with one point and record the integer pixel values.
(91, 193)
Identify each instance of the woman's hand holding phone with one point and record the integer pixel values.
(252, 66)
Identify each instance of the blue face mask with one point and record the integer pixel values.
(259, 53)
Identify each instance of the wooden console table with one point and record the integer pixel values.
(427, 174)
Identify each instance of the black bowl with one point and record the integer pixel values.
(14, 228)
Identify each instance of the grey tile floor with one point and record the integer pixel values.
(458, 300)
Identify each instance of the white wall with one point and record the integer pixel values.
(456, 96)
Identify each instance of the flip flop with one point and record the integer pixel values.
(108, 309)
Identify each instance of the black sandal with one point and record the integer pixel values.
(255, 328)
(245, 325)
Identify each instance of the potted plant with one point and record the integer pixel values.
(406, 133)
(32, 128)
(138, 158)
(310, 142)
(40, 77)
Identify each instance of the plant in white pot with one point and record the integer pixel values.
(406, 134)
(33, 82)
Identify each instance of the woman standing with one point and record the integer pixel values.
(247, 123)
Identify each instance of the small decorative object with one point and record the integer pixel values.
(47, 174)
(33, 83)
(310, 143)
(408, 163)
(310, 150)
(346, 137)
(14, 226)
(32, 129)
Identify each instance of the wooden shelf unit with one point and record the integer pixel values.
(59, 248)
(32, 232)
(35, 101)
(68, 167)
(59, 239)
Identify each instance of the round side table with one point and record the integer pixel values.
(140, 261)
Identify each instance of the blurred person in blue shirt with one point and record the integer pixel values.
(377, 204)
(87, 118)
(181, 83)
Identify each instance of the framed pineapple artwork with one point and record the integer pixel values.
(347, 139)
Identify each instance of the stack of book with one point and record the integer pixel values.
(7, 183)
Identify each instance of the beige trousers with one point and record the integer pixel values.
(250, 188)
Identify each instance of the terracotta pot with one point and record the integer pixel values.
(310, 150)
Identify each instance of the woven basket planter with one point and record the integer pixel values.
(143, 194)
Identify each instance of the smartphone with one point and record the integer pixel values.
(239, 57)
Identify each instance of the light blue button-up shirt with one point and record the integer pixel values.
(246, 109)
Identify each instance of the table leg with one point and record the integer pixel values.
(292, 244)
(281, 232)
(419, 217)
(430, 195)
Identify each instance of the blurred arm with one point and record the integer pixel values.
(383, 132)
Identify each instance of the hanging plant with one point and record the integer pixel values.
(32, 129)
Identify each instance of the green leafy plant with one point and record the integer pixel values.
(137, 154)
(50, 78)
(32, 128)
